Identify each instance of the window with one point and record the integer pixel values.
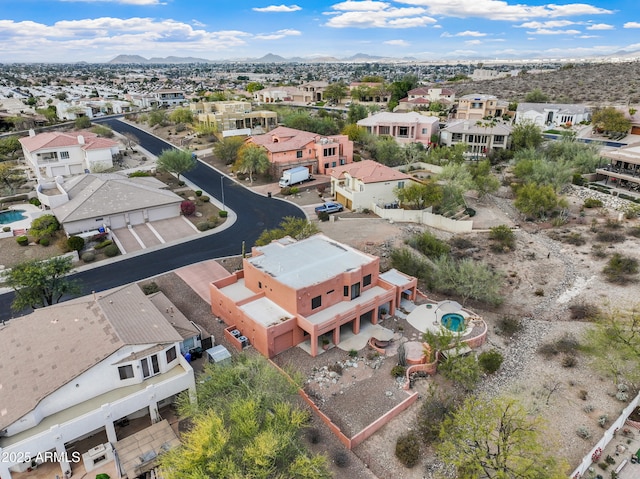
(355, 290)
(126, 372)
(342, 161)
(171, 354)
(329, 151)
(403, 131)
(298, 154)
(498, 139)
(384, 130)
(366, 280)
(326, 165)
(346, 291)
(316, 302)
(330, 291)
(400, 184)
(64, 155)
(333, 164)
(150, 366)
(425, 131)
(259, 284)
(456, 137)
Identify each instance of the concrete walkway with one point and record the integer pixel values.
(198, 276)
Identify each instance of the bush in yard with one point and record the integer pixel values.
(205, 199)
(408, 449)
(98, 237)
(139, 174)
(111, 251)
(286, 191)
(6, 229)
(620, 269)
(22, 240)
(187, 207)
(88, 257)
(223, 213)
(44, 241)
(104, 244)
(398, 371)
(592, 203)
(203, 226)
(323, 216)
(35, 201)
(490, 361)
(150, 288)
(75, 243)
(198, 192)
(503, 238)
(44, 226)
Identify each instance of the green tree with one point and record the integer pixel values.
(525, 135)
(297, 228)
(82, 122)
(400, 88)
(354, 132)
(176, 161)
(102, 130)
(610, 119)
(469, 279)
(418, 195)
(9, 146)
(158, 117)
(252, 159)
(7, 173)
(227, 149)
(44, 226)
(536, 96)
(40, 283)
(537, 200)
(497, 439)
(254, 86)
(335, 91)
(483, 181)
(461, 369)
(387, 151)
(181, 115)
(356, 112)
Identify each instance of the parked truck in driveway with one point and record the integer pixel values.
(296, 175)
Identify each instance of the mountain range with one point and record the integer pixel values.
(269, 58)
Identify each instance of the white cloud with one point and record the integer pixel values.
(197, 23)
(588, 36)
(632, 25)
(399, 43)
(278, 8)
(365, 6)
(501, 10)
(278, 35)
(123, 2)
(473, 42)
(380, 16)
(600, 26)
(546, 31)
(547, 24)
(469, 33)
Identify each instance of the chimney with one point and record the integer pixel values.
(32, 132)
(81, 139)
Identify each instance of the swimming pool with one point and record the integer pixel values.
(11, 216)
(453, 322)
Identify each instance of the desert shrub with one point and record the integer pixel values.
(75, 243)
(408, 449)
(198, 192)
(407, 262)
(139, 174)
(44, 241)
(323, 216)
(429, 245)
(314, 436)
(6, 229)
(111, 250)
(181, 183)
(205, 199)
(44, 226)
(632, 211)
(612, 224)
(103, 244)
(490, 361)
(598, 251)
(336, 368)
(98, 237)
(398, 371)
(286, 191)
(460, 242)
(341, 459)
(609, 237)
(223, 213)
(567, 344)
(539, 292)
(503, 239)
(583, 394)
(22, 240)
(88, 257)
(584, 311)
(569, 361)
(602, 420)
(295, 190)
(592, 203)
(203, 226)
(187, 207)
(35, 201)
(509, 325)
(620, 269)
(150, 288)
(634, 231)
(583, 432)
(353, 353)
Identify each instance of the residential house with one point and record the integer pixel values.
(290, 292)
(56, 153)
(366, 183)
(86, 203)
(410, 127)
(234, 117)
(80, 368)
(480, 74)
(369, 92)
(169, 97)
(313, 91)
(422, 97)
(288, 148)
(479, 106)
(276, 94)
(66, 111)
(480, 136)
(91, 108)
(623, 168)
(552, 114)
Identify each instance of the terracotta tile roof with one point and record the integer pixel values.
(284, 139)
(43, 351)
(57, 139)
(369, 171)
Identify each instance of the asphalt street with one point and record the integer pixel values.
(255, 214)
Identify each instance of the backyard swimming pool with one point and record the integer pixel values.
(11, 216)
(453, 322)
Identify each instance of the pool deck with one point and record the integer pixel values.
(427, 317)
(30, 211)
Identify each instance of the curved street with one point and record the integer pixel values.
(255, 214)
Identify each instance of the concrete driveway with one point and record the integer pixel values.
(151, 234)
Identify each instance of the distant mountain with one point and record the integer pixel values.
(271, 58)
(178, 60)
(358, 57)
(128, 59)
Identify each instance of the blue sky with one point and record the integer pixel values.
(98, 30)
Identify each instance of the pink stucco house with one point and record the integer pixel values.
(410, 127)
(288, 148)
(290, 292)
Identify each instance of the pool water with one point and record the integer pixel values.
(453, 322)
(11, 216)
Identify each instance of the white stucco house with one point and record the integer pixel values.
(57, 153)
(87, 202)
(480, 136)
(365, 183)
(552, 114)
(77, 370)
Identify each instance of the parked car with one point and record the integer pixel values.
(329, 207)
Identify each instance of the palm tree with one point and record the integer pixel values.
(252, 159)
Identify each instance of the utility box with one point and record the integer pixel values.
(218, 355)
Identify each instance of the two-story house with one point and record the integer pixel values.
(410, 127)
(289, 292)
(480, 136)
(234, 117)
(365, 183)
(421, 98)
(289, 148)
(57, 153)
(552, 114)
(78, 369)
(479, 106)
(168, 97)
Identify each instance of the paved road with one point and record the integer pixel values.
(255, 214)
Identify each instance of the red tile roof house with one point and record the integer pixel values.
(411, 127)
(77, 368)
(365, 183)
(290, 292)
(57, 153)
(288, 148)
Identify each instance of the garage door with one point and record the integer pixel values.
(635, 130)
(58, 171)
(344, 201)
(156, 214)
(136, 217)
(117, 221)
